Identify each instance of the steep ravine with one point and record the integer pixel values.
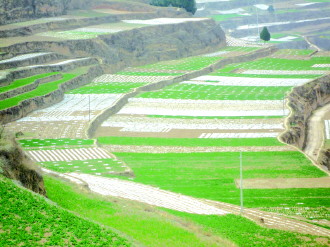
(303, 101)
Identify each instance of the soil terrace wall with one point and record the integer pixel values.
(97, 121)
(16, 165)
(303, 100)
(29, 105)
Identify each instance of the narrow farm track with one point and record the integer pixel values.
(315, 134)
(272, 220)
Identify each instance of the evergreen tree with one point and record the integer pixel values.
(265, 35)
(188, 5)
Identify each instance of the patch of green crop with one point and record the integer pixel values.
(28, 219)
(55, 142)
(269, 63)
(24, 81)
(188, 142)
(244, 232)
(216, 92)
(107, 87)
(190, 63)
(224, 17)
(212, 176)
(214, 117)
(145, 224)
(294, 52)
(41, 90)
(96, 166)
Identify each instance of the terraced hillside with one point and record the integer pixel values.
(147, 142)
(292, 24)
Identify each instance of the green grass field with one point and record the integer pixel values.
(162, 228)
(189, 63)
(41, 90)
(24, 81)
(189, 142)
(110, 87)
(55, 142)
(212, 175)
(28, 219)
(210, 92)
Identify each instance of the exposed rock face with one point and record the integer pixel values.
(303, 100)
(324, 158)
(15, 165)
(15, 10)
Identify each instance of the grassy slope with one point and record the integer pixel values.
(29, 219)
(157, 227)
(212, 176)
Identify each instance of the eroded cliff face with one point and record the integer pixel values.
(138, 46)
(303, 100)
(16, 165)
(20, 10)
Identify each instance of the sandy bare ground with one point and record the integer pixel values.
(178, 149)
(284, 183)
(162, 198)
(315, 134)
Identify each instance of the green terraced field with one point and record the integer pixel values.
(210, 92)
(25, 81)
(189, 142)
(294, 52)
(102, 166)
(55, 142)
(41, 90)
(190, 63)
(283, 64)
(212, 175)
(28, 219)
(162, 228)
(110, 87)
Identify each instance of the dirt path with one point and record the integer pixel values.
(315, 132)
(312, 45)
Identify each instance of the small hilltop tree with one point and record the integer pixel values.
(188, 5)
(265, 35)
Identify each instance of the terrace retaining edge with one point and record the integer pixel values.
(40, 102)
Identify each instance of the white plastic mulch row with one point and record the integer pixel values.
(130, 78)
(72, 103)
(327, 128)
(238, 135)
(24, 57)
(230, 41)
(284, 72)
(68, 154)
(59, 63)
(98, 30)
(216, 54)
(164, 125)
(323, 65)
(278, 23)
(196, 112)
(304, 4)
(245, 81)
(201, 102)
(146, 194)
(284, 39)
(163, 21)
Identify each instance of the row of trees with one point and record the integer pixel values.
(189, 5)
